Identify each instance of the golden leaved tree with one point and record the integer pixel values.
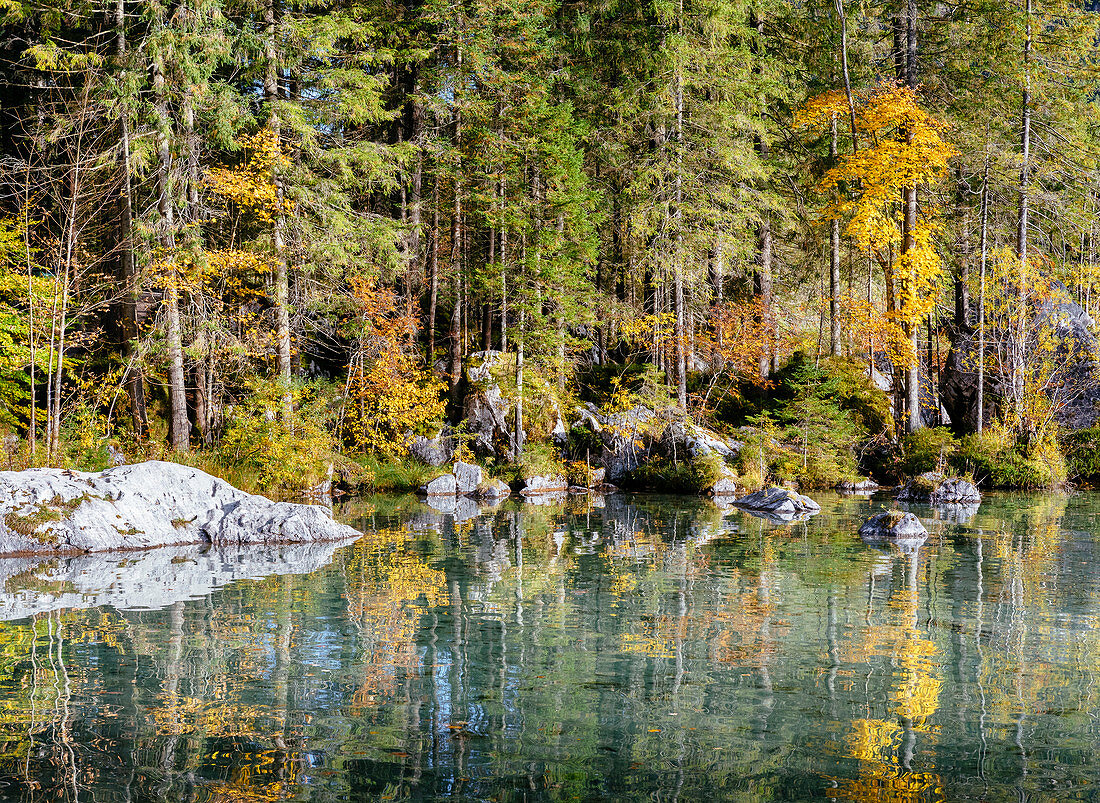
(903, 151)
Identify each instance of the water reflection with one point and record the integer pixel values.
(596, 648)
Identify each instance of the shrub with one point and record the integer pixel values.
(1082, 451)
(680, 476)
(286, 455)
(927, 449)
(996, 460)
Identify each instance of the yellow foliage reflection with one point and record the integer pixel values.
(387, 588)
(885, 748)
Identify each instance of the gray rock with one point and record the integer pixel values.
(780, 501)
(891, 525)
(956, 491)
(920, 488)
(1078, 379)
(480, 365)
(435, 451)
(682, 439)
(486, 413)
(441, 486)
(533, 486)
(115, 456)
(146, 505)
(623, 437)
(725, 485)
(858, 487)
(467, 477)
(484, 409)
(493, 489)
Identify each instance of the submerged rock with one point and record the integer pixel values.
(892, 525)
(146, 505)
(781, 504)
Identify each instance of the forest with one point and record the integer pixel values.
(283, 239)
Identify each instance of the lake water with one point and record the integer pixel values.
(632, 648)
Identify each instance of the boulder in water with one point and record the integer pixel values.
(934, 488)
(892, 525)
(535, 486)
(146, 505)
(779, 503)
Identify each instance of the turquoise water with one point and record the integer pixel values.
(618, 649)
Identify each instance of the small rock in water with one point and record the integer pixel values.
(534, 486)
(956, 491)
(892, 525)
(860, 486)
(441, 486)
(778, 500)
(493, 489)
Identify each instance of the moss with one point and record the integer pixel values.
(29, 521)
(28, 524)
(180, 523)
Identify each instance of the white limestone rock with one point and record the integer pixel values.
(146, 505)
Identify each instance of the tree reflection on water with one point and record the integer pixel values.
(628, 648)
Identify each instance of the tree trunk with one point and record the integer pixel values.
(135, 380)
(1020, 334)
(433, 269)
(984, 236)
(278, 226)
(834, 263)
(763, 281)
(517, 451)
(179, 427)
(678, 142)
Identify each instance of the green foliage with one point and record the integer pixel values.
(395, 473)
(539, 460)
(286, 455)
(84, 438)
(995, 460)
(811, 436)
(1082, 451)
(927, 449)
(665, 475)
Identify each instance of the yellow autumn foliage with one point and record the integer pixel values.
(903, 148)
